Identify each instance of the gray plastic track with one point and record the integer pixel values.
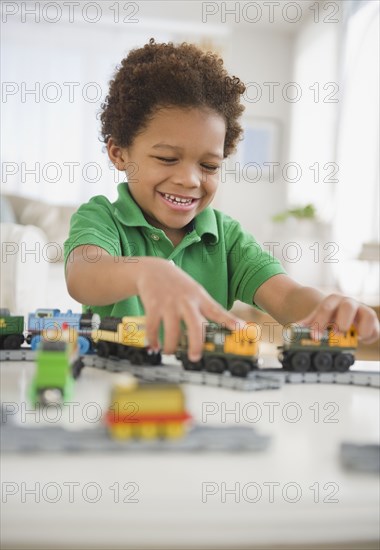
(22, 354)
(199, 438)
(362, 458)
(356, 378)
(175, 373)
(261, 379)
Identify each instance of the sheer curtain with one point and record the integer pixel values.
(55, 77)
(357, 195)
(357, 211)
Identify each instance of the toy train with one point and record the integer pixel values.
(124, 338)
(230, 350)
(223, 349)
(11, 330)
(12, 327)
(332, 352)
(54, 319)
(147, 411)
(53, 381)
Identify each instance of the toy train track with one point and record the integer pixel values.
(361, 458)
(261, 379)
(354, 378)
(22, 354)
(17, 439)
(176, 374)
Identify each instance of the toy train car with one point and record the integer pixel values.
(11, 330)
(54, 319)
(147, 411)
(125, 338)
(223, 349)
(53, 379)
(332, 352)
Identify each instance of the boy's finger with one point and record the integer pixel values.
(171, 333)
(368, 326)
(194, 325)
(214, 312)
(345, 314)
(323, 313)
(152, 325)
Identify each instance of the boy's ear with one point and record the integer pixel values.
(118, 155)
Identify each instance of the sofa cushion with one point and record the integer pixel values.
(7, 214)
(24, 269)
(52, 219)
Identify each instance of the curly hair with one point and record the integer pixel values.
(164, 75)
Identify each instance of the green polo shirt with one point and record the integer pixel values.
(216, 251)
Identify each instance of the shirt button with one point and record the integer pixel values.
(171, 262)
(155, 237)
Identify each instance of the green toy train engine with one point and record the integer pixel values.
(11, 330)
(53, 379)
(334, 351)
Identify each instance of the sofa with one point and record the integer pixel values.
(32, 268)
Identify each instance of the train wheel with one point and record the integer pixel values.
(102, 349)
(136, 357)
(283, 357)
(322, 361)
(240, 368)
(343, 361)
(190, 365)
(215, 364)
(35, 341)
(48, 396)
(121, 431)
(174, 430)
(84, 345)
(77, 367)
(300, 362)
(13, 341)
(147, 430)
(154, 358)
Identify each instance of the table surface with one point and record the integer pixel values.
(296, 493)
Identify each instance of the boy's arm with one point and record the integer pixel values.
(168, 294)
(95, 277)
(288, 302)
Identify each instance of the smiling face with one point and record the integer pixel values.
(173, 166)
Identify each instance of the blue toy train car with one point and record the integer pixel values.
(53, 319)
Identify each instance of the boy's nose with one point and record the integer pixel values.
(187, 177)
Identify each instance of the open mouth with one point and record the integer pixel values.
(178, 201)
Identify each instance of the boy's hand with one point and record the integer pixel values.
(171, 296)
(344, 312)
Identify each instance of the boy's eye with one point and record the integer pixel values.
(210, 168)
(166, 159)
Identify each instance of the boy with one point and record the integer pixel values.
(169, 120)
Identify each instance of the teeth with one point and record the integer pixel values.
(177, 200)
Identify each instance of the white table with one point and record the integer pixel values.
(295, 494)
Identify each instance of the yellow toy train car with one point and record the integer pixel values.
(125, 337)
(334, 351)
(234, 350)
(147, 411)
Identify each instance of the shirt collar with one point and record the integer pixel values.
(129, 213)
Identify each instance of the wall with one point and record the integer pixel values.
(54, 145)
(259, 57)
